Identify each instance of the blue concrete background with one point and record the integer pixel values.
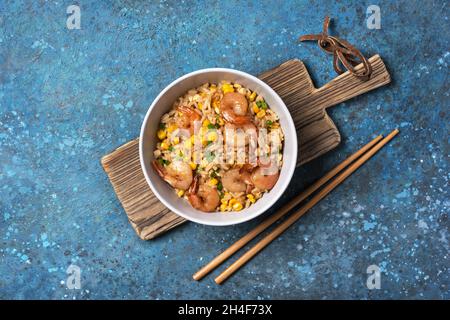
(67, 97)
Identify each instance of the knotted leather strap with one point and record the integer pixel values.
(343, 52)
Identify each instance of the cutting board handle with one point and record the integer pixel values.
(347, 86)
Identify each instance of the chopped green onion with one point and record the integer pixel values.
(163, 162)
(261, 104)
(213, 174)
(210, 156)
(162, 126)
(220, 186)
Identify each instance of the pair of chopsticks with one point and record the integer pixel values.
(353, 162)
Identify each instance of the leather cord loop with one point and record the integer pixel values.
(344, 54)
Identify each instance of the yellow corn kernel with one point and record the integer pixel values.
(223, 207)
(261, 113)
(220, 121)
(237, 85)
(213, 86)
(227, 88)
(224, 201)
(212, 136)
(213, 182)
(193, 165)
(206, 123)
(251, 198)
(180, 193)
(237, 206)
(252, 96)
(187, 144)
(162, 134)
(192, 139)
(232, 202)
(176, 140)
(203, 131)
(255, 108)
(165, 145)
(171, 128)
(204, 163)
(200, 105)
(217, 110)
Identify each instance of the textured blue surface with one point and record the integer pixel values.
(67, 97)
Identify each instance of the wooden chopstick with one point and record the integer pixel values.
(282, 211)
(295, 216)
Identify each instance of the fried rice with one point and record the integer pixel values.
(207, 165)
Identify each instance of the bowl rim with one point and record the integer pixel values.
(290, 169)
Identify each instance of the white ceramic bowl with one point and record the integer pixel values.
(163, 103)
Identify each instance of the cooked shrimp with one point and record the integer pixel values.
(178, 174)
(186, 118)
(248, 167)
(246, 132)
(236, 180)
(246, 172)
(247, 127)
(202, 196)
(265, 178)
(234, 107)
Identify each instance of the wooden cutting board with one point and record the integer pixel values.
(316, 132)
